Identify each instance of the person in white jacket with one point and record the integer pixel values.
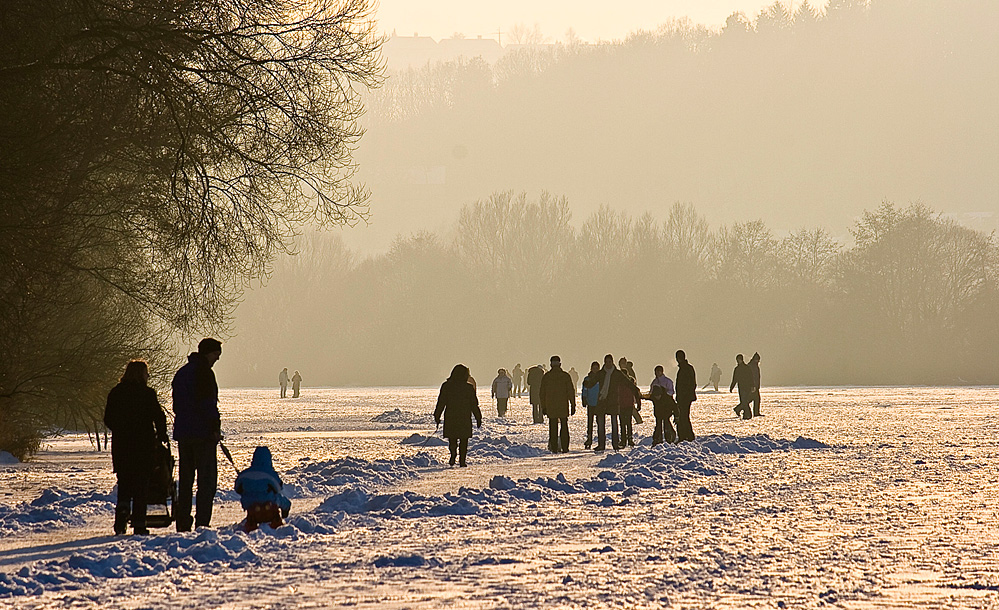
(502, 389)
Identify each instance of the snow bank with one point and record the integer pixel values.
(424, 441)
(54, 508)
(758, 443)
(8, 459)
(398, 416)
(501, 448)
(317, 478)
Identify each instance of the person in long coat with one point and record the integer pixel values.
(457, 403)
(742, 376)
(558, 394)
(296, 384)
(754, 366)
(501, 390)
(686, 394)
(138, 424)
(534, 376)
(613, 384)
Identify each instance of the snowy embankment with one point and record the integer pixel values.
(355, 495)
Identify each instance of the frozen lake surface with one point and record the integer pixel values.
(838, 497)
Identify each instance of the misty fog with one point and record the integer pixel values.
(820, 188)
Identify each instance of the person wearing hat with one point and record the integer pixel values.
(197, 428)
(558, 401)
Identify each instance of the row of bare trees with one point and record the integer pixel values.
(156, 155)
(907, 301)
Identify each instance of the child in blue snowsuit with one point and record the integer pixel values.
(261, 492)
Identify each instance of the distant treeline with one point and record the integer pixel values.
(798, 117)
(913, 299)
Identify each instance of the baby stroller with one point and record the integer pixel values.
(162, 489)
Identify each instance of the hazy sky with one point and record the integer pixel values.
(591, 19)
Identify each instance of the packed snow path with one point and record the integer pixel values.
(856, 498)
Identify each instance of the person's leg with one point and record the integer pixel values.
(208, 480)
(756, 403)
(186, 466)
(122, 509)
(139, 495)
(615, 437)
(657, 432)
(601, 430)
(564, 436)
(553, 435)
(589, 429)
(452, 446)
(462, 451)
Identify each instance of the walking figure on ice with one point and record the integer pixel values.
(534, 376)
(296, 384)
(283, 380)
(742, 376)
(558, 402)
(197, 428)
(754, 366)
(715, 377)
(457, 403)
(501, 390)
(138, 428)
(261, 492)
(663, 407)
(590, 395)
(518, 380)
(686, 394)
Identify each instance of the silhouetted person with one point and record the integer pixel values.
(715, 377)
(197, 428)
(283, 380)
(458, 404)
(558, 402)
(590, 396)
(629, 399)
(296, 384)
(534, 376)
(742, 376)
(574, 375)
(613, 383)
(501, 390)
(622, 364)
(518, 380)
(686, 394)
(636, 411)
(261, 492)
(663, 406)
(138, 425)
(754, 366)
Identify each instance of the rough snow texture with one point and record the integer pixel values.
(869, 506)
(53, 508)
(398, 416)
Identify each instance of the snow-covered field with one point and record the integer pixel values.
(840, 497)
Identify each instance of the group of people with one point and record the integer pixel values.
(296, 383)
(747, 377)
(138, 428)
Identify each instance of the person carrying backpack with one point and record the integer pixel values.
(261, 492)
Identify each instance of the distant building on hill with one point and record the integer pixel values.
(404, 52)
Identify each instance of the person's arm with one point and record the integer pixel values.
(475, 410)
(572, 394)
(441, 405)
(734, 378)
(159, 419)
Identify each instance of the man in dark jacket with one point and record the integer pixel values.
(613, 383)
(197, 428)
(558, 393)
(534, 376)
(754, 366)
(742, 376)
(686, 394)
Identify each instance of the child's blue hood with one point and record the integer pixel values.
(262, 459)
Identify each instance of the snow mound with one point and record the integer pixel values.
(54, 508)
(405, 505)
(317, 478)
(501, 448)
(398, 416)
(423, 441)
(758, 443)
(8, 459)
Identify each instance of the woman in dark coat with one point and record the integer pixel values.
(457, 403)
(137, 424)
